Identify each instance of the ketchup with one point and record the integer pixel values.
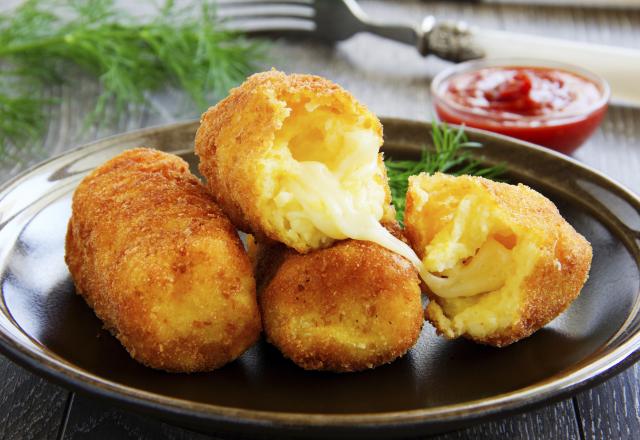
(550, 107)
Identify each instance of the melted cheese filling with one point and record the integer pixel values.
(329, 185)
(465, 259)
(485, 272)
(476, 258)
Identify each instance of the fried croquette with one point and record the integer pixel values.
(160, 264)
(349, 307)
(295, 159)
(499, 260)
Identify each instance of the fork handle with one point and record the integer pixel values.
(401, 33)
(446, 39)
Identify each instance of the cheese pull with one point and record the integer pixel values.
(487, 271)
(296, 159)
(333, 211)
(500, 260)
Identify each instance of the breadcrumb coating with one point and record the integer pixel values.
(160, 264)
(349, 307)
(536, 262)
(256, 148)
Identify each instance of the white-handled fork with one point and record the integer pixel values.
(338, 20)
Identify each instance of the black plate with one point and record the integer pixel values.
(438, 385)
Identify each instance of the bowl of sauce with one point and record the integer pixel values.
(551, 104)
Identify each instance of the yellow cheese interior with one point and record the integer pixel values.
(327, 181)
(473, 260)
(485, 272)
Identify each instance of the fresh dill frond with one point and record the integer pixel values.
(20, 119)
(42, 41)
(449, 155)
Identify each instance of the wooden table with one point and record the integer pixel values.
(393, 81)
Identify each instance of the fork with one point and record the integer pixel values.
(337, 20)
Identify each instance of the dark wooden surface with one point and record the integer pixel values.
(30, 407)
(393, 81)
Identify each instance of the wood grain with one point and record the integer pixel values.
(30, 407)
(552, 422)
(93, 420)
(612, 410)
(393, 81)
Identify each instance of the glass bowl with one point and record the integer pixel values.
(561, 131)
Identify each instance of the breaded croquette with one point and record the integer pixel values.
(160, 264)
(349, 307)
(295, 159)
(499, 260)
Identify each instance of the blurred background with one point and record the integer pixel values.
(391, 78)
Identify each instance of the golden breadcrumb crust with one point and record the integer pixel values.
(240, 130)
(558, 275)
(160, 264)
(349, 307)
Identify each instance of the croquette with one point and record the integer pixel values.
(499, 261)
(295, 159)
(349, 307)
(160, 264)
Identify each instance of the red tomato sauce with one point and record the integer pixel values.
(550, 107)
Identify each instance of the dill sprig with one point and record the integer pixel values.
(43, 41)
(449, 155)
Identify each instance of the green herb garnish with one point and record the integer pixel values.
(448, 156)
(45, 41)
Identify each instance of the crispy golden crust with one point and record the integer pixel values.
(349, 307)
(240, 130)
(558, 275)
(160, 264)
(549, 291)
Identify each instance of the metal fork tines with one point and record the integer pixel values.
(338, 20)
(268, 16)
